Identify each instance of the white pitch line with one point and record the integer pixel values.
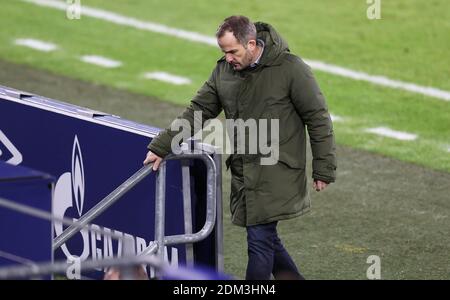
(166, 77)
(335, 118)
(100, 61)
(200, 38)
(131, 22)
(36, 44)
(387, 132)
(379, 80)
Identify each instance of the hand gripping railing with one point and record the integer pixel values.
(213, 187)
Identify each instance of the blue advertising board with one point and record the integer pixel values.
(90, 154)
(20, 232)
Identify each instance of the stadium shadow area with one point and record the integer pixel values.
(379, 207)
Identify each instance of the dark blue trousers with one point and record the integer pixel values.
(266, 255)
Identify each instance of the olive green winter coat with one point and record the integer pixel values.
(280, 87)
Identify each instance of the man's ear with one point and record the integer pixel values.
(251, 45)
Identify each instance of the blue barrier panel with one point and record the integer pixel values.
(25, 239)
(90, 154)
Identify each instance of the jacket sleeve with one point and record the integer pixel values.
(312, 109)
(205, 101)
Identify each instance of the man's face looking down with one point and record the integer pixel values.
(238, 55)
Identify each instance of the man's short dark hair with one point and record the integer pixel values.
(242, 28)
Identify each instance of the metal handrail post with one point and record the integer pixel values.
(219, 213)
(211, 187)
(160, 203)
(217, 156)
(187, 209)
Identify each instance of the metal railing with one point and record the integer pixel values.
(33, 269)
(198, 151)
(100, 207)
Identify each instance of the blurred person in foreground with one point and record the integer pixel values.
(258, 78)
(133, 273)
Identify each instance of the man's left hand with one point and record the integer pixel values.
(319, 185)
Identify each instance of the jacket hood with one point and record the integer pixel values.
(275, 45)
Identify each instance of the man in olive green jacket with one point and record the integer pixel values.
(258, 78)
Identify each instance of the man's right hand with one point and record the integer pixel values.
(153, 158)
